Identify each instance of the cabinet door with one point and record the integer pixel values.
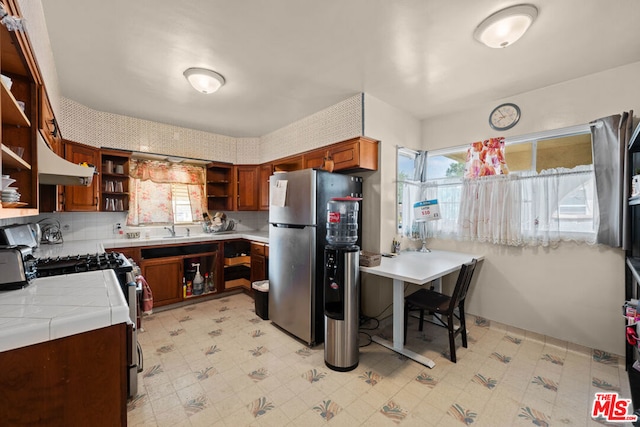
(247, 188)
(358, 153)
(80, 198)
(258, 268)
(164, 276)
(314, 159)
(265, 173)
(345, 156)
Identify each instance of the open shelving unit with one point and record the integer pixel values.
(237, 264)
(632, 271)
(114, 184)
(219, 187)
(17, 63)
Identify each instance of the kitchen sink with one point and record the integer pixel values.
(171, 237)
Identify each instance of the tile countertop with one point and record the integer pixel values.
(60, 306)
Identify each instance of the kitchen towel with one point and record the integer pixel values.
(147, 296)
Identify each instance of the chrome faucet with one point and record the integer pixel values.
(172, 230)
(188, 232)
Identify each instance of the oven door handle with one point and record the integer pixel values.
(140, 357)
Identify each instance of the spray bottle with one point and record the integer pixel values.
(198, 281)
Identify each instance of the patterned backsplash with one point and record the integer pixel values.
(99, 129)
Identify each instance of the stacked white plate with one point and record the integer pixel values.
(7, 181)
(10, 195)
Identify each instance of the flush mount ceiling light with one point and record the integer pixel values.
(506, 26)
(204, 80)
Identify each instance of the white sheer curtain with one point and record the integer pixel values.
(490, 210)
(527, 209)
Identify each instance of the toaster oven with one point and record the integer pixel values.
(18, 267)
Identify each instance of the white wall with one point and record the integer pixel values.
(392, 127)
(574, 292)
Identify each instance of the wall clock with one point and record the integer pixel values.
(504, 116)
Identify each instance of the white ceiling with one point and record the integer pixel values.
(286, 59)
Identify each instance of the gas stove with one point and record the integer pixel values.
(57, 266)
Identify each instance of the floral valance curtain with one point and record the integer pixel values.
(485, 158)
(165, 172)
(151, 195)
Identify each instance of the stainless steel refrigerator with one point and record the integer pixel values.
(297, 237)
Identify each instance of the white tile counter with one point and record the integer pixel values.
(60, 306)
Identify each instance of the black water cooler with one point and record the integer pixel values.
(341, 287)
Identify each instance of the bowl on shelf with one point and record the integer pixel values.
(7, 81)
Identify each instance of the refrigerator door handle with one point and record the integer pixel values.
(289, 226)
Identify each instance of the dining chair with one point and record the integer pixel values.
(443, 305)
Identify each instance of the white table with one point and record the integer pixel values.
(418, 268)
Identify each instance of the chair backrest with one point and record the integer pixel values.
(462, 284)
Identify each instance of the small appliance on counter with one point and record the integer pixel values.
(17, 234)
(18, 267)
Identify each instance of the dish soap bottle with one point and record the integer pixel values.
(198, 281)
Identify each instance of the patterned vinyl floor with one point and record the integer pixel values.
(216, 363)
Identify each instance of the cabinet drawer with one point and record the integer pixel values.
(257, 249)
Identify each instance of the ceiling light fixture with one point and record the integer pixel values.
(506, 26)
(204, 80)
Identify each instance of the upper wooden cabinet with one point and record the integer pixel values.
(351, 155)
(288, 164)
(247, 189)
(80, 198)
(220, 187)
(48, 124)
(114, 180)
(266, 170)
(314, 159)
(18, 152)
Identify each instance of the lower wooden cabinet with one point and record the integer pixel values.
(78, 380)
(258, 262)
(164, 276)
